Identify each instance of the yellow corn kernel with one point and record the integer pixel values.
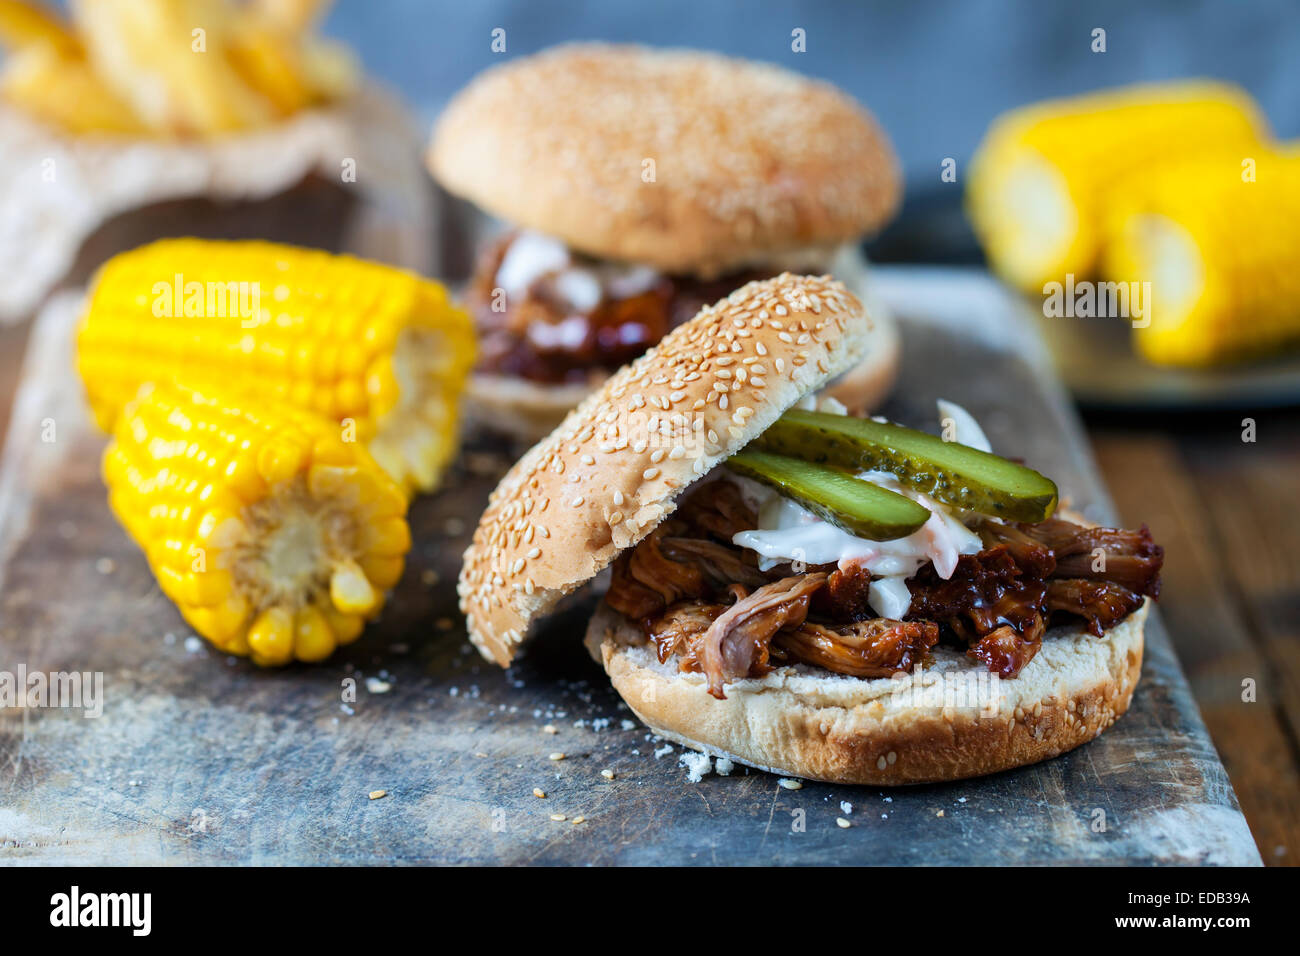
(313, 638)
(1041, 180)
(351, 590)
(1218, 239)
(286, 574)
(346, 627)
(226, 314)
(388, 537)
(270, 639)
(383, 571)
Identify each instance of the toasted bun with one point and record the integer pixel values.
(749, 159)
(807, 722)
(612, 470)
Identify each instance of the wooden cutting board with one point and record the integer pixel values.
(202, 758)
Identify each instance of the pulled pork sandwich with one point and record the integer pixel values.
(807, 591)
(638, 186)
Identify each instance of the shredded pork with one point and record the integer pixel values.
(704, 601)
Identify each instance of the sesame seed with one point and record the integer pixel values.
(539, 793)
(378, 794)
(842, 823)
(790, 784)
(556, 756)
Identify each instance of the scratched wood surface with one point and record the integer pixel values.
(1225, 511)
(198, 757)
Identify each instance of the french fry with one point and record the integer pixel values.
(201, 68)
(166, 58)
(65, 91)
(293, 16)
(25, 24)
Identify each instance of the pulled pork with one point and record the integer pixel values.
(989, 601)
(540, 337)
(876, 648)
(770, 626)
(1001, 599)
(704, 601)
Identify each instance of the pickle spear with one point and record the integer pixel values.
(957, 475)
(857, 506)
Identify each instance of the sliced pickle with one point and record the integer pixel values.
(957, 475)
(857, 506)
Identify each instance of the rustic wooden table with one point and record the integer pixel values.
(1225, 510)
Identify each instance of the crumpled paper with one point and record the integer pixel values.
(56, 189)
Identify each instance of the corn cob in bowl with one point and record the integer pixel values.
(275, 538)
(1041, 180)
(1218, 238)
(377, 350)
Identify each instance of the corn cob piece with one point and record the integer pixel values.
(1221, 254)
(274, 537)
(378, 350)
(1040, 180)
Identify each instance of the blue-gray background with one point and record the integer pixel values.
(934, 71)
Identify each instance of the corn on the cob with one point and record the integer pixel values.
(274, 537)
(1040, 180)
(1219, 241)
(380, 351)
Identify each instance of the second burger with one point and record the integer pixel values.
(639, 185)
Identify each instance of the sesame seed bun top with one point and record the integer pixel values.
(749, 159)
(613, 469)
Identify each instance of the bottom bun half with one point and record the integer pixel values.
(951, 721)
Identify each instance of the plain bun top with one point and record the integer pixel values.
(687, 161)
